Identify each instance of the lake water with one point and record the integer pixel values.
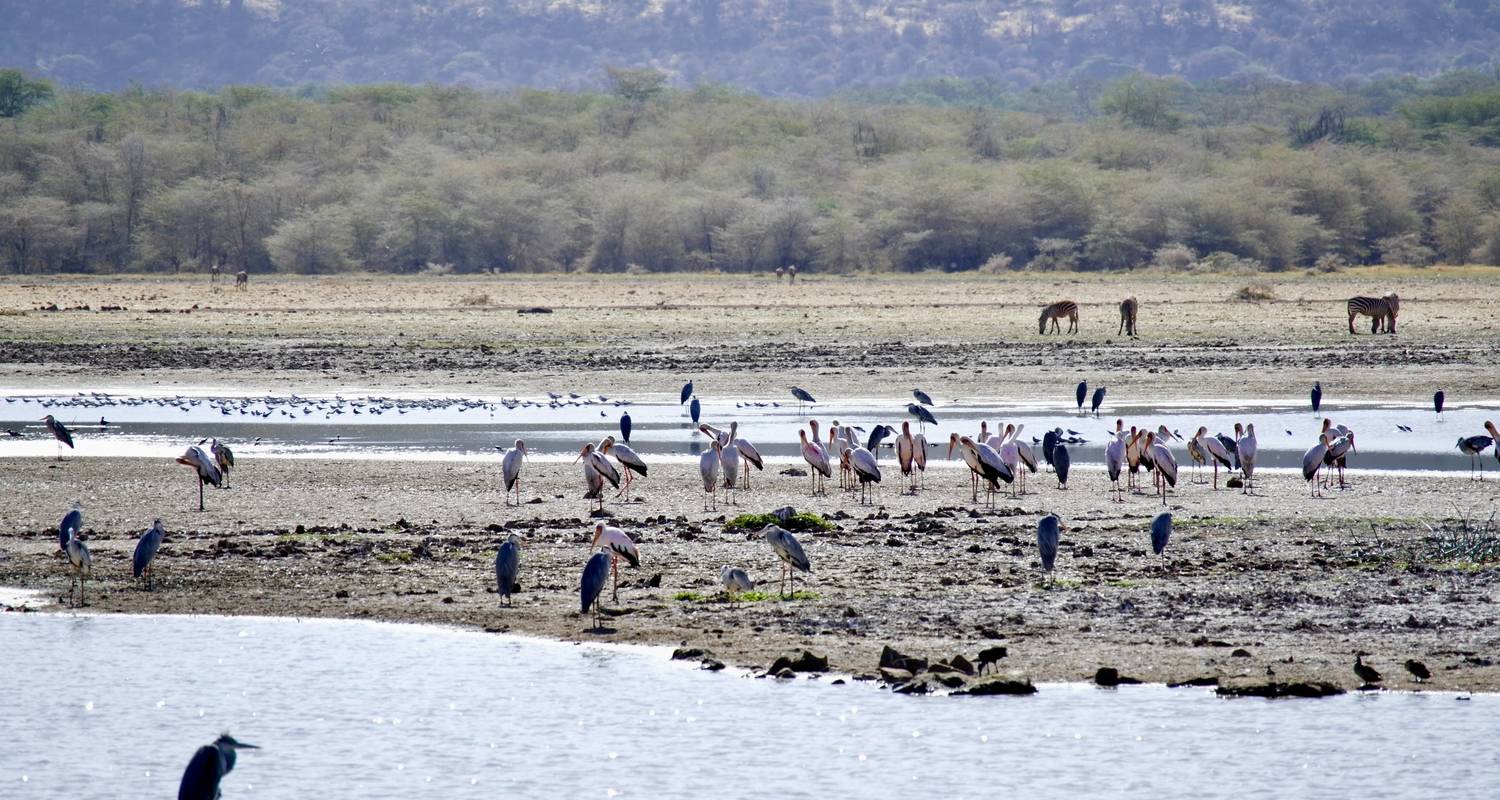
(291, 426)
(113, 706)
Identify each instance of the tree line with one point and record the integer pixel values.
(1133, 171)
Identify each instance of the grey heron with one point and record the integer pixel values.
(1097, 401)
(625, 426)
(923, 416)
(1081, 394)
(789, 551)
(70, 527)
(922, 397)
(206, 468)
(734, 581)
(1048, 530)
(591, 586)
(145, 554)
(59, 432)
(1161, 531)
(687, 391)
(80, 567)
(1472, 446)
(209, 765)
(803, 396)
(510, 470)
(507, 567)
(618, 545)
(1061, 461)
(817, 459)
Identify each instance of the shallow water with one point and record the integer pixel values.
(113, 706)
(447, 427)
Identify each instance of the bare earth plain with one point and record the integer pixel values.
(1272, 587)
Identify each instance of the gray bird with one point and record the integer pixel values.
(507, 567)
(1161, 531)
(70, 527)
(789, 550)
(803, 396)
(922, 397)
(59, 432)
(1061, 461)
(80, 566)
(145, 553)
(1047, 533)
(1097, 401)
(1081, 393)
(206, 467)
(735, 581)
(595, 573)
(209, 765)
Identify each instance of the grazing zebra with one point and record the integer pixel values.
(1381, 310)
(1128, 307)
(1055, 312)
(242, 280)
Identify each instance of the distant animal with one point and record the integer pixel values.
(1047, 531)
(1061, 460)
(507, 567)
(1366, 673)
(242, 280)
(990, 656)
(1097, 401)
(209, 765)
(1438, 399)
(791, 273)
(1418, 670)
(1381, 310)
(1317, 396)
(922, 397)
(1161, 531)
(145, 553)
(213, 274)
(1128, 308)
(687, 391)
(1055, 312)
(80, 566)
(1081, 394)
(779, 273)
(59, 432)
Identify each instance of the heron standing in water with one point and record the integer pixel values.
(59, 432)
(145, 554)
(592, 585)
(200, 781)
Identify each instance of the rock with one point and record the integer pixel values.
(891, 658)
(601, 513)
(918, 686)
(712, 664)
(534, 310)
(691, 654)
(950, 681)
(962, 664)
(807, 661)
(1240, 652)
(1109, 676)
(341, 594)
(654, 581)
(1235, 482)
(893, 675)
(1274, 690)
(1207, 680)
(784, 674)
(785, 512)
(998, 686)
(794, 472)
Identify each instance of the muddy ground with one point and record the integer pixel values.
(1275, 587)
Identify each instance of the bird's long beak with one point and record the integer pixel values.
(580, 455)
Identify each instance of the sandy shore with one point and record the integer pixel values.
(1274, 587)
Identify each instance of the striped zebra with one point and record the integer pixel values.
(1381, 310)
(1055, 312)
(1128, 307)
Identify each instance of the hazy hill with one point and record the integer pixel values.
(779, 47)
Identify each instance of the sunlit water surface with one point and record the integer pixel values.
(113, 706)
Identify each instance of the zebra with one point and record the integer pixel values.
(1055, 312)
(1381, 310)
(242, 280)
(1128, 307)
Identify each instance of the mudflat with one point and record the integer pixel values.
(1272, 587)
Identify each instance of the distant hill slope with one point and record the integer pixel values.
(788, 47)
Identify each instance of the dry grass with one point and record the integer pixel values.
(1254, 293)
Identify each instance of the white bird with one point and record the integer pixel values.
(630, 463)
(838, 449)
(729, 461)
(906, 457)
(206, 467)
(789, 551)
(919, 457)
(720, 436)
(619, 546)
(866, 471)
(708, 468)
(749, 456)
(596, 471)
(1114, 462)
(1214, 450)
(1246, 447)
(510, 469)
(1312, 462)
(81, 566)
(817, 460)
(1165, 464)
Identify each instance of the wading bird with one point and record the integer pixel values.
(1048, 530)
(866, 471)
(906, 457)
(1097, 401)
(1246, 448)
(1114, 462)
(1061, 462)
(817, 460)
(789, 551)
(1312, 462)
(749, 456)
(1195, 452)
(80, 566)
(729, 463)
(922, 397)
(625, 427)
(591, 585)
(203, 464)
(619, 546)
(1338, 455)
(510, 469)
(803, 396)
(507, 567)
(630, 463)
(1081, 394)
(1161, 531)
(923, 416)
(224, 457)
(1437, 403)
(1317, 396)
(145, 554)
(209, 765)
(70, 527)
(1164, 463)
(59, 432)
(687, 391)
(734, 580)
(1214, 450)
(695, 409)
(1472, 446)
(919, 458)
(596, 471)
(708, 468)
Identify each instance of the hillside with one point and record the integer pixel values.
(812, 48)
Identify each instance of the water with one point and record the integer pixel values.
(113, 706)
(471, 428)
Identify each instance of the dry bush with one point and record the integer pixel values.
(996, 264)
(476, 299)
(1254, 293)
